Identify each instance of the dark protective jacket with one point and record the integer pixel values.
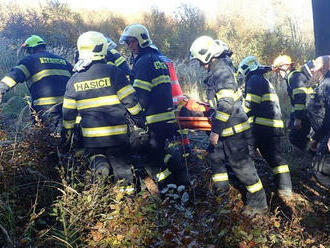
(102, 95)
(319, 109)
(115, 58)
(47, 75)
(262, 103)
(222, 89)
(153, 87)
(299, 93)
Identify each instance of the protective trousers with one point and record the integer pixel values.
(321, 164)
(298, 137)
(162, 161)
(234, 149)
(270, 147)
(115, 158)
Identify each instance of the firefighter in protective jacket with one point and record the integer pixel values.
(319, 113)
(46, 75)
(103, 97)
(263, 108)
(299, 93)
(152, 83)
(230, 127)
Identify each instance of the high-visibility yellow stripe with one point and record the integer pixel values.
(160, 117)
(127, 189)
(246, 109)
(281, 169)
(24, 70)
(173, 144)
(235, 95)
(220, 177)
(97, 102)
(49, 72)
(253, 98)
(125, 91)
(302, 90)
(222, 116)
(160, 80)
(142, 84)
(119, 61)
(255, 187)
(167, 158)
(48, 100)
(9, 81)
(163, 175)
(104, 131)
(68, 124)
(110, 63)
(135, 110)
(251, 119)
(69, 103)
(299, 107)
(78, 119)
(269, 122)
(269, 97)
(235, 129)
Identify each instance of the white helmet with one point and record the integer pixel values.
(248, 64)
(222, 44)
(137, 31)
(92, 46)
(204, 49)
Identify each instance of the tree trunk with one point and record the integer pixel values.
(321, 16)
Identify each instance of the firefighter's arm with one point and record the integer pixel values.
(299, 95)
(252, 99)
(18, 74)
(70, 113)
(142, 84)
(127, 96)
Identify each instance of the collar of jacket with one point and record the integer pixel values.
(144, 51)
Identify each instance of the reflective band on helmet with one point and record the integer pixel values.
(125, 91)
(222, 116)
(269, 122)
(220, 177)
(69, 124)
(269, 97)
(142, 84)
(302, 90)
(48, 100)
(255, 187)
(24, 70)
(135, 110)
(97, 102)
(9, 81)
(236, 129)
(69, 103)
(104, 131)
(163, 175)
(160, 117)
(253, 98)
(299, 107)
(49, 72)
(281, 169)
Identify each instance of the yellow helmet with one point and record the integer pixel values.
(92, 46)
(282, 60)
(33, 41)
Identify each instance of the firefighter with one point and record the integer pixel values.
(299, 93)
(46, 75)
(230, 127)
(318, 110)
(151, 80)
(101, 94)
(263, 108)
